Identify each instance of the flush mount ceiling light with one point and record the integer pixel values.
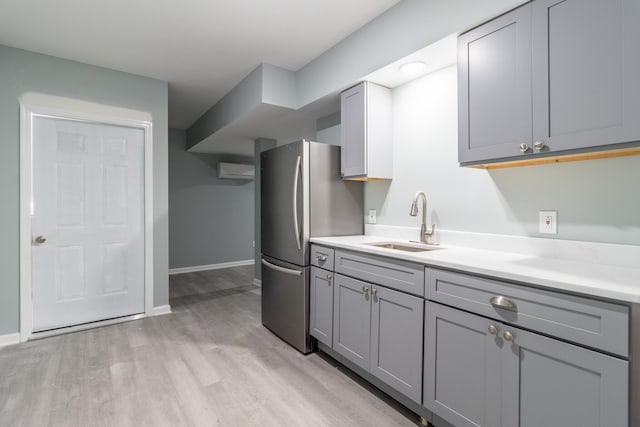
(413, 68)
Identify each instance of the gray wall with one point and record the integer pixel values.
(328, 129)
(596, 200)
(408, 26)
(21, 72)
(210, 219)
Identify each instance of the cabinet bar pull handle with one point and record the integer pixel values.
(503, 302)
(508, 336)
(492, 330)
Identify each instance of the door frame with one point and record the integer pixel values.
(75, 110)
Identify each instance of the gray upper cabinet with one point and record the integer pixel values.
(396, 340)
(352, 320)
(586, 90)
(480, 372)
(366, 132)
(321, 305)
(550, 78)
(494, 87)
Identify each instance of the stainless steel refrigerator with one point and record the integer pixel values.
(302, 196)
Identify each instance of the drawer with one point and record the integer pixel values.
(597, 324)
(401, 275)
(322, 257)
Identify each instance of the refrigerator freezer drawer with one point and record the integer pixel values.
(285, 302)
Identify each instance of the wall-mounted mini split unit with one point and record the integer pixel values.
(235, 171)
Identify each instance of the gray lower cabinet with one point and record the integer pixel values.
(396, 340)
(552, 77)
(480, 372)
(352, 320)
(380, 330)
(321, 305)
(396, 274)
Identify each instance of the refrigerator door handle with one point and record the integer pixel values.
(281, 269)
(296, 176)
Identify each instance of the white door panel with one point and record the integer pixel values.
(88, 203)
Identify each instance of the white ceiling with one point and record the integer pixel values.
(203, 48)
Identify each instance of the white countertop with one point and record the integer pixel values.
(590, 278)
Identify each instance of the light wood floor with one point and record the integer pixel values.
(209, 363)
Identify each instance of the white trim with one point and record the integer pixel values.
(257, 282)
(85, 326)
(197, 268)
(44, 105)
(25, 225)
(161, 310)
(9, 339)
(148, 217)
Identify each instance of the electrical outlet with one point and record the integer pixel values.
(548, 222)
(372, 216)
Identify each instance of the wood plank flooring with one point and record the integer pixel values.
(210, 363)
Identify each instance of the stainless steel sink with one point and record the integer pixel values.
(407, 247)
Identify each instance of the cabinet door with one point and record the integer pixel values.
(547, 382)
(586, 90)
(396, 340)
(353, 131)
(321, 305)
(494, 88)
(352, 320)
(462, 367)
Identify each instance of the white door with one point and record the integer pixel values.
(87, 222)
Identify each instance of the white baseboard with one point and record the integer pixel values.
(161, 309)
(9, 339)
(257, 282)
(196, 268)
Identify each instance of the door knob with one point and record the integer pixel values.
(40, 240)
(508, 336)
(523, 147)
(492, 330)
